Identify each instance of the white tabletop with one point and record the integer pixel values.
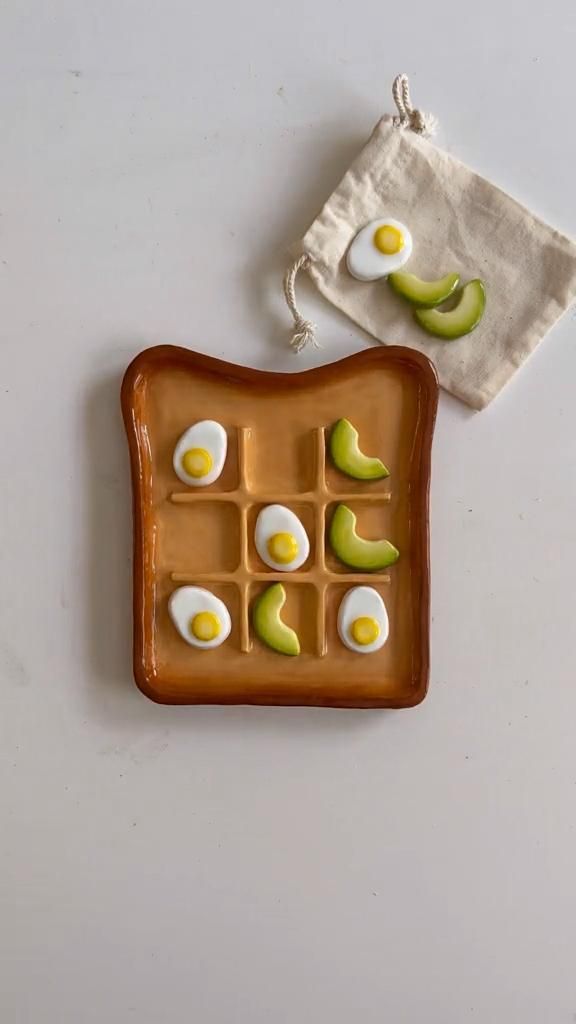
(269, 866)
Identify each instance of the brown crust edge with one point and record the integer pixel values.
(159, 355)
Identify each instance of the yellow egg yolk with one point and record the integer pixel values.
(365, 630)
(197, 462)
(205, 626)
(282, 548)
(388, 239)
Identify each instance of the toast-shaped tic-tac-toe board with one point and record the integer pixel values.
(277, 427)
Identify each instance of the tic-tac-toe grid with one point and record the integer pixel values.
(315, 572)
(207, 537)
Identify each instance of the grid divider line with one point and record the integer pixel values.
(319, 554)
(320, 504)
(242, 438)
(321, 645)
(320, 525)
(243, 559)
(326, 576)
(320, 461)
(237, 496)
(245, 639)
(320, 576)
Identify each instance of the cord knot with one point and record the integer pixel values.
(304, 334)
(415, 120)
(304, 330)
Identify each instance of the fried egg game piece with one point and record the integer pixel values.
(362, 620)
(200, 617)
(280, 539)
(379, 249)
(200, 454)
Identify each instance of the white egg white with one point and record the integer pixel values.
(366, 263)
(186, 602)
(206, 434)
(356, 603)
(279, 519)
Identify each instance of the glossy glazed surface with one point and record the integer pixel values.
(277, 425)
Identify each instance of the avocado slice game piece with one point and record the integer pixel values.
(353, 550)
(425, 294)
(458, 321)
(268, 625)
(347, 456)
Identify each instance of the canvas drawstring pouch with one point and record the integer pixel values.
(458, 223)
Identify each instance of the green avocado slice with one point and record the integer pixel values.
(353, 550)
(425, 294)
(458, 321)
(347, 456)
(268, 625)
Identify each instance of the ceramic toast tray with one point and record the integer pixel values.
(277, 424)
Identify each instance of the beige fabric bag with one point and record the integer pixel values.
(459, 222)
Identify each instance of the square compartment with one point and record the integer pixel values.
(394, 654)
(200, 536)
(373, 522)
(281, 460)
(373, 441)
(305, 513)
(184, 655)
(300, 612)
(167, 478)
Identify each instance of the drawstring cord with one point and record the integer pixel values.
(415, 120)
(304, 330)
(407, 118)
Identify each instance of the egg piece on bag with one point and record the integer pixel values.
(281, 540)
(379, 249)
(363, 620)
(200, 617)
(200, 454)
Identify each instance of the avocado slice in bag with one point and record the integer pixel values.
(457, 322)
(425, 294)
